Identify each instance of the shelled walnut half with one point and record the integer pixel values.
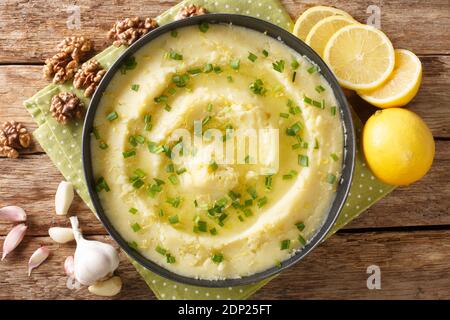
(13, 137)
(127, 31)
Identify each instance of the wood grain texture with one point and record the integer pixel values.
(31, 29)
(413, 266)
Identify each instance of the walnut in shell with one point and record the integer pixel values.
(66, 106)
(88, 77)
(190, 11)
(63, 65)
(13, 136)
(128, 30)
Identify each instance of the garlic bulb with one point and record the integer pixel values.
(93, 260)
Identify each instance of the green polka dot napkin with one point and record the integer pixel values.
(63, 146)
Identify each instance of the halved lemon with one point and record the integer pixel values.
(310, 17)
(324, 29)
(401, 86)
(361, 56)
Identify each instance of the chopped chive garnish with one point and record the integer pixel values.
(257, 87)
(296, 146)
(161, 98)
(101, 184)
(285, 244)
(204, 26)
(103, 145)
(195, 71)
(213, 166)
(252, 57)
(247, 212)
(294, 129)
(170, 168)
(295, 110)
(217, 69)
(130, 153)
(161, 213)
(252, 192)
(307, 100)
(248, 202)
(331, 178)
(95, 132)
(294, 75)
(147, 118)
(290, 175)
(278, 65)
(262, 201)
(180, 80)
(170, 259)
(181, 171)
(154, 148)
(278, 264)
(175, 55)
(173, 179)
(202, 226)
(132, 141)
(235, 64)
(333, 110)
(136, 227)
(161, 250)
(174, 33)
(268, 182)
(284, 115)
(301, 240)
(300, 226)
(172, 91)
(241, 218)
(312, 69)
(112, 116)
(133, 210)
(173, 219)
(137, 183)
(208, 68)
(128, 64)
(305, 145)
(247, 159)
(222, 217)
(230, 78)
(265, 53)
(303, 160)
(209, 107)
(133, 245)
(135, 87)
(167, 108)
(320, 89)
(159, 181)
(316, 144)
(217, 258)
(213, 231)
(334, 156)
(206, 120)
(294, 64)
(317, 104)
(233, 195)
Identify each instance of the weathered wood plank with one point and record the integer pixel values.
(42, 23)
(413, 265)
(32, 181)
(17, 83)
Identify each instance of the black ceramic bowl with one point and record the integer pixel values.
(292, 42)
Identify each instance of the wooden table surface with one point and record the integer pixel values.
(407, 234)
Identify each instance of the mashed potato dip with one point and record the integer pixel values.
(217, 151)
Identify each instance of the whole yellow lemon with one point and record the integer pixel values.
(398, 146)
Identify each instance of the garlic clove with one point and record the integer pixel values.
(13, 239)
(39, 256)
(61, 235)
(13, 213)
(63, 198)
(69, 266)
(107, 288)
(93, 260)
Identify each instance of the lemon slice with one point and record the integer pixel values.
(401, 86)
(323, 30)
(361, 56)
(310, 17)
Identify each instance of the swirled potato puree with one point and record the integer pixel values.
(216, 219)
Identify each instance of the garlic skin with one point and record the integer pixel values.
(93, 260)
(61, 235)
(13, 214)
(69, 266)
(36, 259)
(107, 288)
(63, 198)
(13, 239)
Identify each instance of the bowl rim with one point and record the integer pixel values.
(295, 44)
